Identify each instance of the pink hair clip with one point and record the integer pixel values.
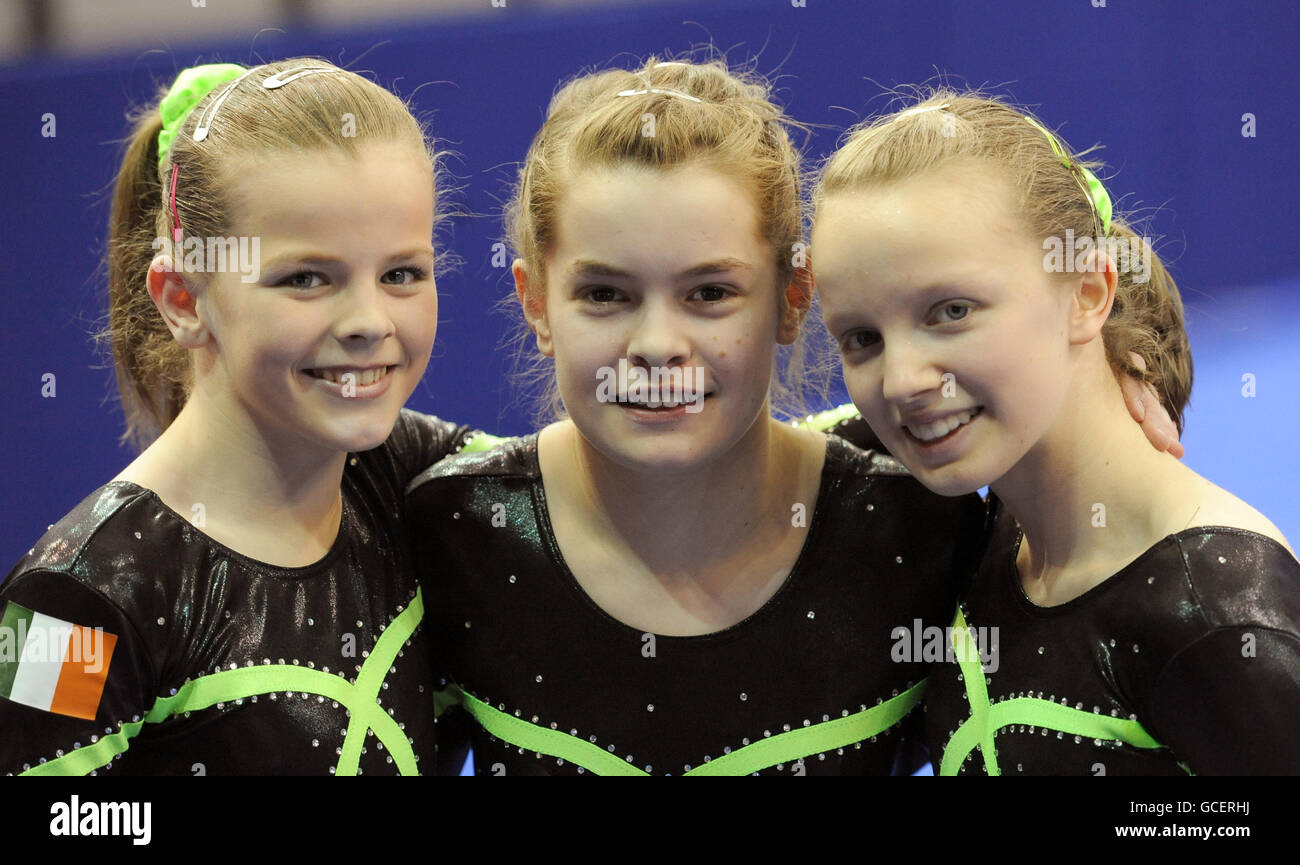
(176, 220)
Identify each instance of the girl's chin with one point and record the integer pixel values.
(662, 453)
(358, 435)
(954, 489)
(949, 480)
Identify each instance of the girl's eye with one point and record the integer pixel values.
(955, 311)
(303, 279)
(858, 340)
(601, 294)
(413, 274)
(712, 293)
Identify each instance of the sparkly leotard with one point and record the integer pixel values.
(1186, 660)
(213, 663)
(805, 685)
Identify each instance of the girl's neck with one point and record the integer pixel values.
(1092, 495)
(273, 500)
(687, 522)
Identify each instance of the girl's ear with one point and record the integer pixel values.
(171, 294)
(1093, 299)
(797, 302)
(533, 300)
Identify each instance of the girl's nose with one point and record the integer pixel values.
(908, 373)
(365, 315)
(659, 337)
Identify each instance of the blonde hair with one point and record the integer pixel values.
(154, 377)
(702, 112)
(944, 126)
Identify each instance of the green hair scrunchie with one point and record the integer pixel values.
(190, 86)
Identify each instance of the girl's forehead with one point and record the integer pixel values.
(917, 240)
(959, 184)
(932, 210)
(636, 182)
(279, 194)
(632, 210)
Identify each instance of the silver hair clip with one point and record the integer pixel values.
(203, 126)
(921, 110)
(272, 82)
(677, 93)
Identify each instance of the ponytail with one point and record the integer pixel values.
(152, 369)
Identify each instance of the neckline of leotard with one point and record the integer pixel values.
(546, 532)
(300, 572)
(1012, 575)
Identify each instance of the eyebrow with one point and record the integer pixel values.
(591, 267)
(319, 259)
(837, 323)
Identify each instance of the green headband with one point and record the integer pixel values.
(186, 92)
(1095, 191)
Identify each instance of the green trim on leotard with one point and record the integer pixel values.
(986, 719)
(781, 748)
(825, 420)
(481, 441)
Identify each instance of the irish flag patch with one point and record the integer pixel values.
(51, 664)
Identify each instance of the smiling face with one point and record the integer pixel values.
(325, 347)
(944, 313)
(662, 270)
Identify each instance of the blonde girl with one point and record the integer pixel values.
(668, 580)
(240, 598)
(1131, 617)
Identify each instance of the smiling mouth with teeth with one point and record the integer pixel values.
(942, 428)
(651, 404)
(359, 377)
(664, 404)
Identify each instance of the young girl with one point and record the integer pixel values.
(1132, 616)
(670, 581)
(239, 599)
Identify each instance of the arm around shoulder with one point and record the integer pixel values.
(419, 440)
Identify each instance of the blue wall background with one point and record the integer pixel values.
(1163, 84)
